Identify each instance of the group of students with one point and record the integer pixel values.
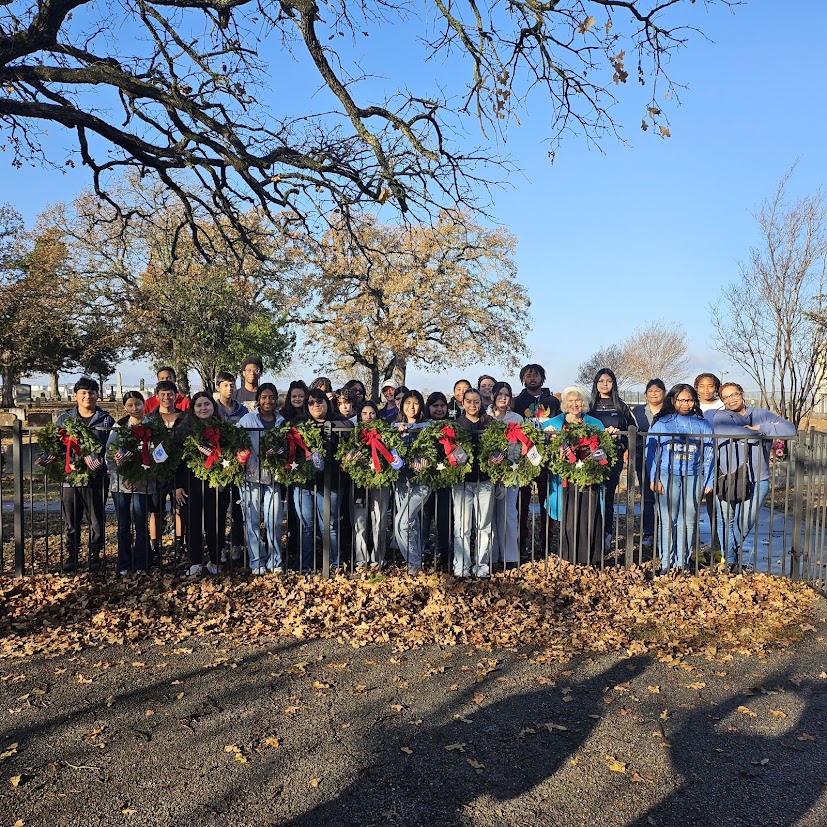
(479, 525)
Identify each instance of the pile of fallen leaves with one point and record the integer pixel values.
(560, 608)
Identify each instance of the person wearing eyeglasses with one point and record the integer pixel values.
(251, 369)
(679, 458)
(737, 419)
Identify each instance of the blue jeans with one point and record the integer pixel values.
(409, 498)
(262, 500)
(677, 516)
(310, 507)
(131, 510)
(738, 519)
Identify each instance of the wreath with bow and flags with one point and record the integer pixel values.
(65, 451)
(217, 452)
(447, 451)
(581, 454)
(145, 453)
(287, 452)
(371, 454)
(524, 451)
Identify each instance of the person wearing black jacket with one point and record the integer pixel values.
(612, 411)
(474, 497)
(537, 403)
(89, 499)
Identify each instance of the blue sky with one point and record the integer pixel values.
(647, 230)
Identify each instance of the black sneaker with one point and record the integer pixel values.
(71, 566)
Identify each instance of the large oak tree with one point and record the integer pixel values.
(440, 295)
(194, 93)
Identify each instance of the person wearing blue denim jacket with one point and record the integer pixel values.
(680, 466)
(260, 493)
(737, 419)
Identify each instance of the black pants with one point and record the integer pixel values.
(205, 513)
(75, 502)
(581, 524)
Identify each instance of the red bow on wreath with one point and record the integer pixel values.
(72, 446)
(294, 443)
(373, 439)
(448, 440)
(514, 433)
(143, 434)
(212, 436)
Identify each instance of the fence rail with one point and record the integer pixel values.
(785, 535)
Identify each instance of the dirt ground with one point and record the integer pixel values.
(320, 733)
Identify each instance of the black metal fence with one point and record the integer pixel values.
(468, 530)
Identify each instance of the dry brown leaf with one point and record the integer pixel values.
(10, 750)
(314, 782)
(273, 742)
(744, 710)
(455, 748)
(406, 750)
(777, 713)
(655, 690)
(805, 736)
(15, 780)
(477, 765)
(614, 765)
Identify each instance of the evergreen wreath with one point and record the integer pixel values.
(138, 443)
(285, 451)
(222, 460)
(436, 443)
(581, 454)
(514, 440)
(69, 443)
(366, 454)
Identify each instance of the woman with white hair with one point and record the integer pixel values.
(578, 508)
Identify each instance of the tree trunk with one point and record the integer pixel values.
(399, 366)
(54, 378)
(183, 381)
(9, 380)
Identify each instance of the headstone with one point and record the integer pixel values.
(39, 419)
(22, 393)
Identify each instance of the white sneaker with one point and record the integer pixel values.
(195, 570)
(123, 572)
(236, 554)
(278, 570)
(607, 542)
(212, 568)
(225, 554)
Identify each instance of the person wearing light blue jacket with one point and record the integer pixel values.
(737, 419)
(260, 493)
(680, 466)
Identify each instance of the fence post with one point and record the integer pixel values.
(631, 467)
(328, 462)
(17, 484)
(798, 507)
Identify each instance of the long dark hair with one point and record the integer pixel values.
(288, 410)
(400, 416)
(617, 402)
(368, 403)
(191, 418)
(436, 396)
(669, 403)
